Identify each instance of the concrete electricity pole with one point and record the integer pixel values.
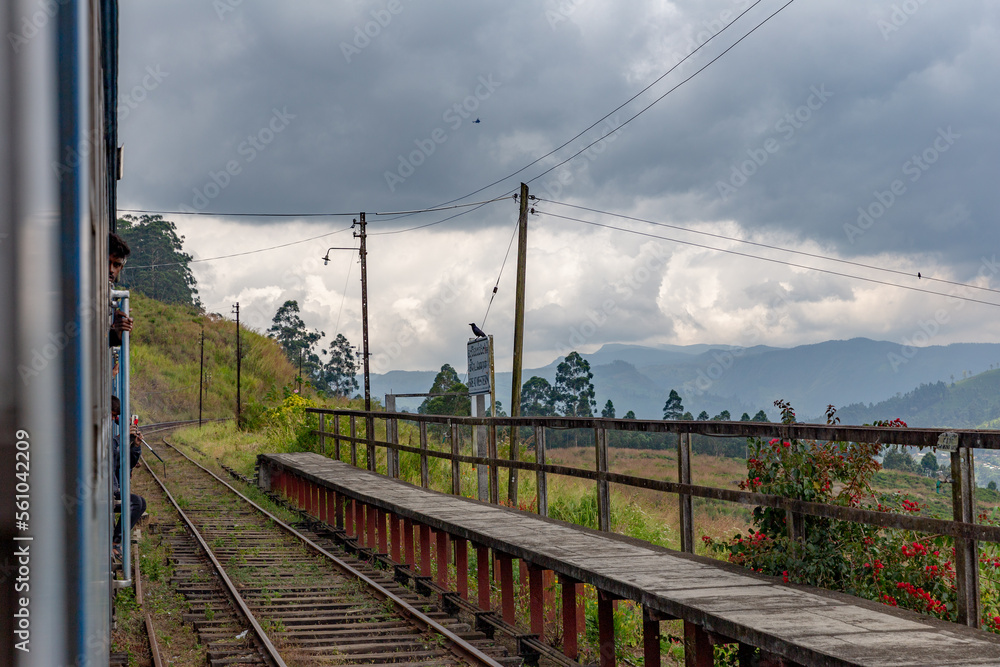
(362, 235)
(201, 375)
(239, 359)
(515, 391)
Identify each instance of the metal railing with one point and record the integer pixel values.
(960, 443)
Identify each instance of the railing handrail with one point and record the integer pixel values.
(911, 437)
(960, 442)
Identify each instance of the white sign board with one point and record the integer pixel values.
(479, 366)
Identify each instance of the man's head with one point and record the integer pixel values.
(116, 407)
(118, 252)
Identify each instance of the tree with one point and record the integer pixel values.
(723, 416)
(673, 409)
(629, 415)
(761, 416)
(158, 266)
(744, 417)
(703, 416)
(339, 374)
(609, 410)
(992, 486)
(298, 343)
(897, 459)
(536, 398)
(687, 416)
(573, 392)
(447, 382)
(929, 463)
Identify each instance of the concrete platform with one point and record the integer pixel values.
(807, 625)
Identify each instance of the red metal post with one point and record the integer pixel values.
(461, 567)
(506, 568)
(380, 528)
(698, 650)
(302, 492)
(409, 553)
(349, 518)
(331, 507)
(570, 628)
(536, 603)
(394, 537)
(606, 630)
(321, 499)
(442, 558)
(650, 637)
(425, 550)
(483, 576)
(338, 511)
(359, 522)
(549, 596)
(372, 537)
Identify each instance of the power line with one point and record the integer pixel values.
(307, 215)
(772, 260)
(248, 252)
(651, 104)
(502, 265)
(909, 274)
(595, 123)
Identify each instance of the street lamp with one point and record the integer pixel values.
(363, 253)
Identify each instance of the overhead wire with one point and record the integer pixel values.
(769, 246)
(771, 259)
(595, 123)
(248, 252)
(675, 87)
(499, 275)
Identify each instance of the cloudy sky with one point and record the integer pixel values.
(862, 132)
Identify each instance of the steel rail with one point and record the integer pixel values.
(258, 630)
(459, 645)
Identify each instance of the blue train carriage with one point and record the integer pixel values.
(58, 171)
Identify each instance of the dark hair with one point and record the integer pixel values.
(116, 405)
(117, 246)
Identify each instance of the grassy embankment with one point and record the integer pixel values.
(165, 359)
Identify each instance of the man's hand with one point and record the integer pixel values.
(134, 432)
(122, 322)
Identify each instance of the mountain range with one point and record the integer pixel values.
(859, 373)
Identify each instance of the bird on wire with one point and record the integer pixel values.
(476, 330)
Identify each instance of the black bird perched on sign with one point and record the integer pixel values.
(476, 330)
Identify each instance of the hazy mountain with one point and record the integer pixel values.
(970, 403)
(718, 377)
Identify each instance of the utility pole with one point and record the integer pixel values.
(239, 359)
(300, 371)
(362, 235)
(515, 392)
(201, 375)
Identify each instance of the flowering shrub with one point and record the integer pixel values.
(896, 567)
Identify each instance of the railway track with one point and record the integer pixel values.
(263, 592)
